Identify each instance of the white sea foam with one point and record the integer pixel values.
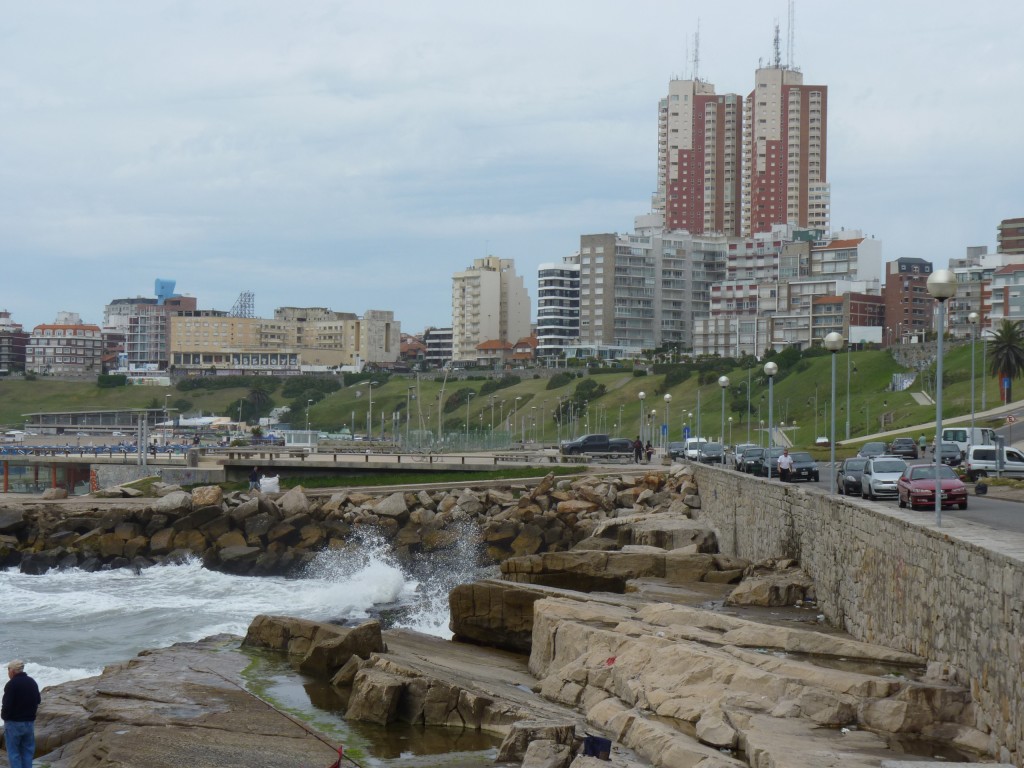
(70, 624)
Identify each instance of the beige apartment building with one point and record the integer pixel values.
(489, 303)
(294, 338)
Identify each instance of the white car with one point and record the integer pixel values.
(880, 476)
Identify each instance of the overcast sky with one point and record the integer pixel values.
(354, 155)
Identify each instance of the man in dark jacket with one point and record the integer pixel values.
(21, 700)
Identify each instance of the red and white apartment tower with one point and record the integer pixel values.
(700, 143)
(785, 146)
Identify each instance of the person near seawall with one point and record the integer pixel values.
(20, 704)
(254, 479)
(785, 465)
(638, 450)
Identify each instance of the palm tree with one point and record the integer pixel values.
(259, 396)
(1006, 354)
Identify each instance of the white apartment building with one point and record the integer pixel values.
(489, 303)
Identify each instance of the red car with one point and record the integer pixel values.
(916, 487)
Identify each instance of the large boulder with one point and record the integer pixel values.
(393, 506)
(51, 494)
(284, 633)
(175, 504)
(327, 655)
(494, 613)
(207, 496)
(375, 696)
(294, 501)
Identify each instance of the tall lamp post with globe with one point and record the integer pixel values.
(668, 430)
(770, 369)
(941, 286)
(642, 396)
(723, 382)
(973, 320)
(833, 343)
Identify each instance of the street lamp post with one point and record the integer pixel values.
(308, 403)
(941, 286)
(984, 360)
(973, 320)
(469, 399)
(770, 369)
(668, 431)
(849, 348)
(723, 382)
(833, 343)
(699, 433)
(730, 430)
(408, 410)
(642, 396)
(369, 419)
(166, 418)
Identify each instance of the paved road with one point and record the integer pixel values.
(999, 514)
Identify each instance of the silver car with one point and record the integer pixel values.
(880, 476)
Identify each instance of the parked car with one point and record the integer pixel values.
(848, 476)
(904, 447)
(737, 456)
(752, 460)
(677, 450)
(770, 463)
(949, 453)
(871, 449)
(880, 475)
(804, 467)
(620, 445)
(916, 487)
(586, 444)
(712, 453)
(981, 462)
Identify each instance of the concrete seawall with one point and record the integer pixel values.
(888, 576)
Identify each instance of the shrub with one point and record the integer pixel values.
(560, 380)
(493, 385)
(109, 381)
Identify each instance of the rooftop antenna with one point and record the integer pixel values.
(244, 305)
(777, 54)
(686, 60)
(696, 52)
(790, 37)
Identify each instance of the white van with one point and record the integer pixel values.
(981, 462)
(693, 447)
(965, 437)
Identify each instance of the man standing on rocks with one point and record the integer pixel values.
(21, 700)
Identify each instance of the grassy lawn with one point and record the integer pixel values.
(18, 397)
(801, 397)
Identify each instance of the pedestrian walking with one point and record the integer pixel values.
(785, 465)
(20, 704)
(638, 450)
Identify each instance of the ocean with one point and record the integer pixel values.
(69, 624)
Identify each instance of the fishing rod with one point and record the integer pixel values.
(340, 749)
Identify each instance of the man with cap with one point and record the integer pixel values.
(21, 700)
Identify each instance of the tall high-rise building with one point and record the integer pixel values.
(785, 148)
(700, 143)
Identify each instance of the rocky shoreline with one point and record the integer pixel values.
(598, 625)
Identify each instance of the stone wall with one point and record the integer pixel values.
(952, 595)
(108, 475)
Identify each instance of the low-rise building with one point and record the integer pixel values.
(13, 341)
(65, 350)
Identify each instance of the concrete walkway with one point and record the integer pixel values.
(928, 427)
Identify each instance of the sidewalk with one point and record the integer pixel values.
(929, 426)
